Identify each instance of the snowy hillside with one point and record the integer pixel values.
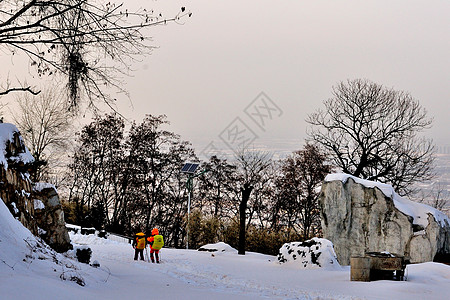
(29, 270)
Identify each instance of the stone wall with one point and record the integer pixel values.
(360, 219)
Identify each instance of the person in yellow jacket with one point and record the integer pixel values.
(139, 244)
(156, 242)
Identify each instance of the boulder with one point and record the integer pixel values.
(361, 216)
(50, 217)
(310, 254)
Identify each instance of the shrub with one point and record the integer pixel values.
(84, 255)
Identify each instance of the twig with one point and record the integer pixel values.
(20, 89)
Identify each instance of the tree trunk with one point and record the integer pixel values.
(246, 191)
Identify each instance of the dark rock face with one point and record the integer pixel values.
(15, 184)
(50, 217)
(16, 191)
(360, 219)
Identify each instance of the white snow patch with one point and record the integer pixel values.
(24, 193)
(7, 134)
(388, 253)
(38, 204)
(39, 186)
(16, 211)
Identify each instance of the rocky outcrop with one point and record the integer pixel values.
(43, 216)
(15, 184)
(360, 216)
(50, 217)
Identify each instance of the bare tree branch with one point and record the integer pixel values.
(90, 42)
(372, 132)
(20, 89)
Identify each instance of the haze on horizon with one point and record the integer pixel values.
(206, 73)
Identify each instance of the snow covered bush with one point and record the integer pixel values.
(314, 253)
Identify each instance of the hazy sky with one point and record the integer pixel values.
(207, 73)
(209, 70)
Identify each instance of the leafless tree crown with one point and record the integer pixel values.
(88, 41)
(373, 132)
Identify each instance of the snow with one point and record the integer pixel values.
(418, 211)
(311, 254)
(30, 269)
(39, 186)
(6, 134)
(219, 247)
(38, 204)
(13, 204)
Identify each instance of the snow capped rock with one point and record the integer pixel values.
(311, 254)
(361, 216)
(9, 135)
(418, 211)
(39, 186)
(217, 247)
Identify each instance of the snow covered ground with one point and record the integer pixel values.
(29, 270)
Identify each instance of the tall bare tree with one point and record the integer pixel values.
(373, 132)
(215, 188)
(88, 41)
(46, 126)
(251, 165)
(301, 174)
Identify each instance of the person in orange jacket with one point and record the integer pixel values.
(139, 244)
(156, 243)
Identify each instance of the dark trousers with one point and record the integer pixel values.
(137, 252)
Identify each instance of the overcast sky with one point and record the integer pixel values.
(207, 73)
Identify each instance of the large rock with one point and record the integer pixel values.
(50, 217)
(361, 216)
(15, 184)
(16, 191)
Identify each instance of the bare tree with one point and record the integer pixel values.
(45, 125)
(100, 171)
(301, 174)
(216, 187)
(251, 165)
(437, 197)
(372, 132)
(88, 41)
